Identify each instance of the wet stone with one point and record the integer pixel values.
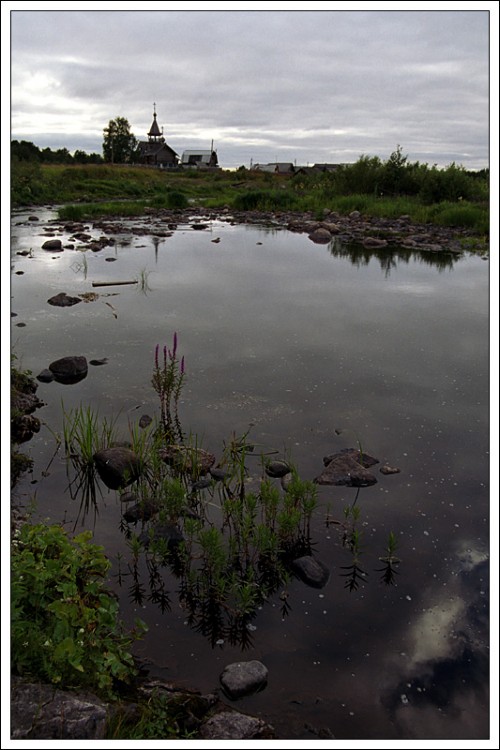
(63, 300)
(311, 571)
(277, 469)
(53, 245)
(389, 469)
(118, 467)
(45, 376)
(69, 369)
(243, 678)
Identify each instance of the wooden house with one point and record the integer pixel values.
(199, 158)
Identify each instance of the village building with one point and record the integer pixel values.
(199, 158)
(275, 167)
(155, 151)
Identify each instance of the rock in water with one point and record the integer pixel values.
(311, 571)
(277, 469)
(243, 678)
(69, 369)
(347, 469)
(117, 467)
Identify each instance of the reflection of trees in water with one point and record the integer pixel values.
(360, 256)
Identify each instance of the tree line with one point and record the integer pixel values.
(119, 147)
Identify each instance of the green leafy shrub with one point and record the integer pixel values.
(65, 626)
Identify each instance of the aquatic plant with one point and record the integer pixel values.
(84, 434)
(168, 380)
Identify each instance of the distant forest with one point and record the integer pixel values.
(27, 151)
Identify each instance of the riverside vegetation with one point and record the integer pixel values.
(451, 197)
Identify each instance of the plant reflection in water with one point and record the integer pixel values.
(197, 529)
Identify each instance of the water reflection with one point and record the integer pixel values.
(389, 260)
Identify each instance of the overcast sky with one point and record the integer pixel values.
(292, 85)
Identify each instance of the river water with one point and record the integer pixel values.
(314, 348)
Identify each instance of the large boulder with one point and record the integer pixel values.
(118, 467)
(243, 678)
(69, 369)
(347, 469)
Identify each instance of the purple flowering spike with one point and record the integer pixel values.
(165, 356)
(157, 348)
(182, 366)
(175, 345)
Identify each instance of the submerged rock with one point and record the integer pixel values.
(118, 467)
(311, 571)
(169, 532)
(185, 458)
(385, 469)
(243, 678)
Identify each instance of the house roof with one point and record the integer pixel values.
(203, 154)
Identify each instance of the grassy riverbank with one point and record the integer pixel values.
(450, 197)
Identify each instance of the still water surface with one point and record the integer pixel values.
(313, 347)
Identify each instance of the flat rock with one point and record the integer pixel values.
(347, 469)
(243, 678)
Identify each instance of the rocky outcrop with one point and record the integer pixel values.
(41, 712)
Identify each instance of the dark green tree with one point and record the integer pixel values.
(119, 143)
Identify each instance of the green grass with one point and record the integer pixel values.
(97, 190)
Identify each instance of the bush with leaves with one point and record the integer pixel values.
(65, 625)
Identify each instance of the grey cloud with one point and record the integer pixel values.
(376, 75)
